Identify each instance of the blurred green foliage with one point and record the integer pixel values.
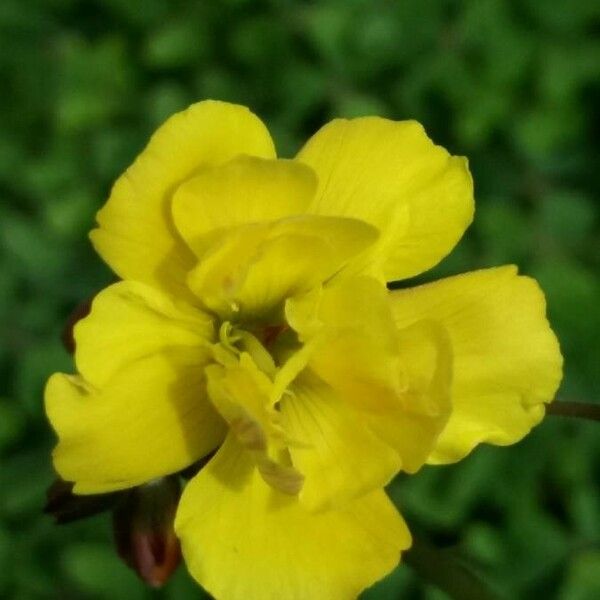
(514, 85)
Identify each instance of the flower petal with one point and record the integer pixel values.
(244, 190)
(350, 332)
(243, 540)
(130, 320)
(397, 381)
(391, 175)
(149, 420)
(414, 425)
(339, 456)
(135, 234)
(250, 270)
(507, 361)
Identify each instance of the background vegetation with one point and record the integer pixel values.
(514, 85)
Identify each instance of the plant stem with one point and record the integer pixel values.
(580, 410)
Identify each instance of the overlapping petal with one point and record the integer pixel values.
(507, 361)
(135, 234)
(148, 420)
(413, 427)
(391, 175)
(244, 190)
(130, 320)
(339, 456)
(242, 540)
(138, 409)
(367, 400)
(250, 270)
(350, 330)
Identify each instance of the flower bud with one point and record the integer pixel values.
(143, 529)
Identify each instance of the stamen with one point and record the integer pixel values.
(227, 337)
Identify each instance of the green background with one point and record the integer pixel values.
(515, 86)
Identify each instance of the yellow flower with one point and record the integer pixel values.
(253, 321)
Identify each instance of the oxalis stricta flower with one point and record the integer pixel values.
(253, 320)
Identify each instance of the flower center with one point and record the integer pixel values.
(246, 383)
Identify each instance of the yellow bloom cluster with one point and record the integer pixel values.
(253, 321)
